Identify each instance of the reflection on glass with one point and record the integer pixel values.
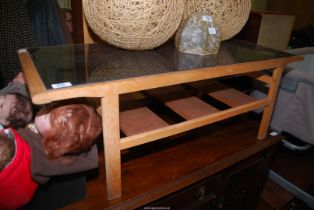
(119, 64)
(83, 64)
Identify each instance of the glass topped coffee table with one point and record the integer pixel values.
(104, 72)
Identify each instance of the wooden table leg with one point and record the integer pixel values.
(272, 99)
(111, 133)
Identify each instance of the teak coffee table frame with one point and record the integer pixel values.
(109, 93)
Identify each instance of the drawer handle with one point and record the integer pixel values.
(201, 192)
(220, 203)
(203, 196)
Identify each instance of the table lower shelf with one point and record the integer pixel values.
(141, 125)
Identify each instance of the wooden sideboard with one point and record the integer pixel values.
(236, 187)
(220, 166)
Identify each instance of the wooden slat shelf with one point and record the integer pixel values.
(223, 93)
(191, 107)
(139, 120)
(136, 118)
(232, 97)
(170, 130)
(181, 101)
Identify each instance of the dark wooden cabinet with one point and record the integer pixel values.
(221, 166)
(202, 195)
(243, 184)
(235, 188)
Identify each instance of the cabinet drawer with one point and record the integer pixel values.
(197, 196)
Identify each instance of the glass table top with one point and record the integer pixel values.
(59, 66)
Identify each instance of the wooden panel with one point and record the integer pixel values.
(232, 97)
(139, 120)
(305, 14)
(303, 9)
(287, 6)
(268, 33)
(191, 107)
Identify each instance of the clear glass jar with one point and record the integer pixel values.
(198, 35)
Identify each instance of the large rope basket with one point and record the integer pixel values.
(134, 24)
(229, 15)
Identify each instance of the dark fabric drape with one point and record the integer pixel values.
(15, 32)
(47, 22)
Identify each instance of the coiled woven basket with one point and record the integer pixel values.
(134, 24)
(229, 15)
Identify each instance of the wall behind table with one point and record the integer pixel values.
(303, 9)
